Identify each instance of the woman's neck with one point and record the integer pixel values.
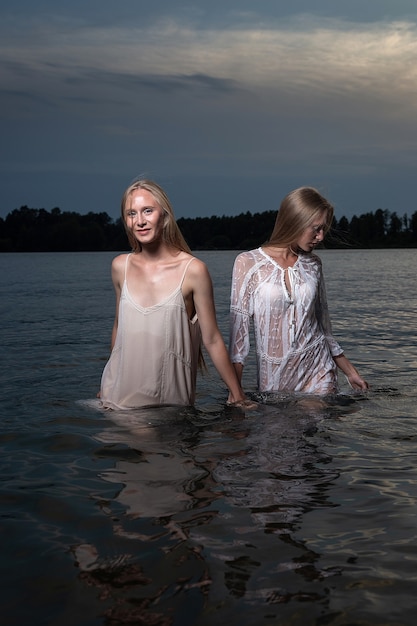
(284, 256)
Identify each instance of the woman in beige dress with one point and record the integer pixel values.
(164, 310)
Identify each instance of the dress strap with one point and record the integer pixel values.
(127, 259)
(185, 270)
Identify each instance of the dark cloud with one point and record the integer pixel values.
(154, 82)
(228, 104)
(213, 13)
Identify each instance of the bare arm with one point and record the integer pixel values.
(198, 279)
(117, 276)
(355, 380)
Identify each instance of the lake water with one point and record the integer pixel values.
(296, 514)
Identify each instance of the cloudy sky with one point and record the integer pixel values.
(229, 104)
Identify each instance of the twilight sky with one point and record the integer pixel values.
(228, 104)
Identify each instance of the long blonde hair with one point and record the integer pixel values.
(298, 211)
(171, 233)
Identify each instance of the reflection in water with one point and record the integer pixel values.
(332, 544)
(208, 504)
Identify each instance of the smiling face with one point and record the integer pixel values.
(144, 217)
(314, 233)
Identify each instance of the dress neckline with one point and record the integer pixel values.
(270, 258)
(165, 299)
(155, 306)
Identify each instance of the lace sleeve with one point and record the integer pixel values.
(322, 311)
(240, 310)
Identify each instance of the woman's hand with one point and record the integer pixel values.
(357, 382)
(353, 377)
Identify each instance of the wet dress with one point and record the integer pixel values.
(293, 337)
(155, 357)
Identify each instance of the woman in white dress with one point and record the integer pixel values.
(280, 287)
(164, 309)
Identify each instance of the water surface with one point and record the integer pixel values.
(298, 513)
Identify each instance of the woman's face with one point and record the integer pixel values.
(313, 234)
(144, 216)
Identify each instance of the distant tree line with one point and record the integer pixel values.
(38, 230)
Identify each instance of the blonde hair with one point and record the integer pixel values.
(298, 210)
(171, 233)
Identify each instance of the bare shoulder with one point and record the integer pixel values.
(197, 269)
(118, 268)
(119, 261)
(197, 277)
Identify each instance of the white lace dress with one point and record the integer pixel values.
(293, 337)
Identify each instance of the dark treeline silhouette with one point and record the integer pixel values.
(37, 230)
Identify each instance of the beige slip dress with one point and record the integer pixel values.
(155, 357)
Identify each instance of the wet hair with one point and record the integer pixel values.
(299, 210)
(171, 233)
